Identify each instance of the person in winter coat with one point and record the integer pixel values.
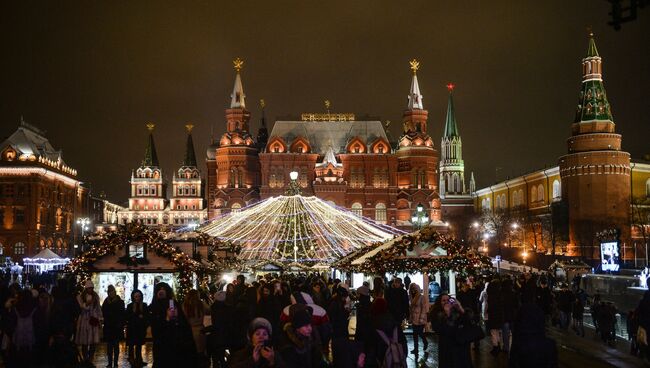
(510, 302)
(495, 318)
(173, 344)
(447, 317)
(21, 328)
(113, 312)
(42, 319)
(364, 324)
(418, 309)
(578, 312)
(300, 346)
(221, 330)
(643, 319)
(268, 306)
(530, 347)
(398, 300)
(339, 315)
(137, 321)
(565, 299)
(259, 352)
(89, 322)
(195, 310)
(64, 312)
(544, 298)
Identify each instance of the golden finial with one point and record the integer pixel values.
(150, 126)
(590, 32)
(415, 65)
(387, 124)
(238, 64)
(262, 103)
(189, 127)
(327, 104)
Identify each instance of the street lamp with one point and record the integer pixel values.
(524, 255)
(83, 223)
(420, 217)
(294, 188)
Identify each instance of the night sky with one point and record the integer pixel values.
(92, 74)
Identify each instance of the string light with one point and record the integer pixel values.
(297, 228)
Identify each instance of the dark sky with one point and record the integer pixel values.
(93, 73)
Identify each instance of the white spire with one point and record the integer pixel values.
(472, 183)
(329, 158)
(238, 98)
(415, 98)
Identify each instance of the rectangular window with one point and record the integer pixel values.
(19, 216)
(136, 251)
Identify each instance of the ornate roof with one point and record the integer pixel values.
(323, 134)
(29, 140)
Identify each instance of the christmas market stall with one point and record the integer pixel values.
(419, 254)
(137, 257)
(45, 261)
(296, 229)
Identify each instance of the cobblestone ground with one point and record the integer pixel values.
(574, 351)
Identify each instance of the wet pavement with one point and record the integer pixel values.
(573, 351)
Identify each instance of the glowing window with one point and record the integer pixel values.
(357, 209)
(380, 213)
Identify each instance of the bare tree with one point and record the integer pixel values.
(640, 220)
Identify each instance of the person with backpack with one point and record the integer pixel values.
(386, 346)
(89, 322)
(22, 330)
(113, 313)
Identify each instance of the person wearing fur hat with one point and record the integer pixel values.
(301, 347)
(173, 344)
(259, 351)
(89, 322)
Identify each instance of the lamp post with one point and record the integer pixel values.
(83, 223)
(524, 255)
(294, 188)
(420, 217)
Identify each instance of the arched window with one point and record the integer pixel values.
(557, 189)
(380, 213)
(540, 192)
(484, 204)
(357, 209)
(647, 188)
(236, 207)
(19, 248)
(533, 195)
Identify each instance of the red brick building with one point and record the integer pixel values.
(348, 162)
(40, 196)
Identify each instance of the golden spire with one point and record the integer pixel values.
(590, 32)
(262, 103)
(150, 126)
(415, 65)
(327, 104)
(189, 127)
(238, 64)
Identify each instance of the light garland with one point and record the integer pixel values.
(297, 228)
(110, 243)
(396, 258)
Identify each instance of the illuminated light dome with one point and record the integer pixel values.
(297, 229)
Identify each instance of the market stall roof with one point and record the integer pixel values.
(46, 256)
(295, 228)
(438, 251)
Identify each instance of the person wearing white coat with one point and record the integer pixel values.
(418, 308)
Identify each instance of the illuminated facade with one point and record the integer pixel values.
(594, 188)
(347, 162)
(149, 203)
(41, 197)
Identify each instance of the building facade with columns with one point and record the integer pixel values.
(348, 162)
(595, 187)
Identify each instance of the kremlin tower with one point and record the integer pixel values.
(596, 172)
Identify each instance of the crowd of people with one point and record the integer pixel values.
(299, 321)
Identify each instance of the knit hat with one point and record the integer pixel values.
(89, 284)
(258, 323)
(220, 296)
(363, 290)
(300, 315)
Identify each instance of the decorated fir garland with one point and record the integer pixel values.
(110, 243)
(459, 258)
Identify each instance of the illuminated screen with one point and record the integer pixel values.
(609, 256)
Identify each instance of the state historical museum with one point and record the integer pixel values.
(347, 162)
